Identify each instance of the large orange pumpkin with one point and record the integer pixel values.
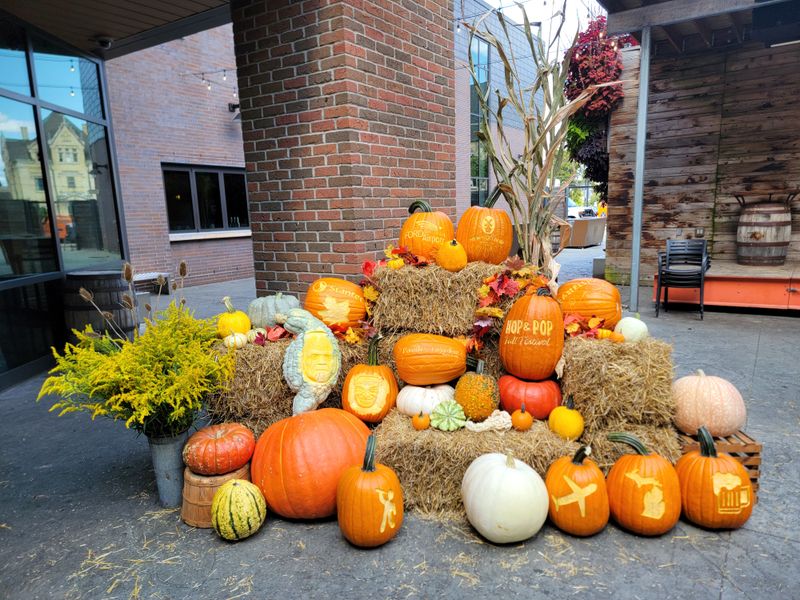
(369, 502)
(369, 390)
(590, 297)
(539, 397)
(423, 232)
(427, 359)
(644, 494)
(486, 234)
(532, 338)
(578, 497)
(715, 488)
(219, 449)
(336, 302)
(298, 461)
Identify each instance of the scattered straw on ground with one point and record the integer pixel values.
(429, 299)
(661, 440)
(432, 463)
(619, 382)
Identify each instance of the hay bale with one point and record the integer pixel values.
(431, 463)
(429, 299)
(661, 440)
(613, 383)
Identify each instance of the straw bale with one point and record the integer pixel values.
(429, 299)
(431, 463)
(629, 383)
(661, 440)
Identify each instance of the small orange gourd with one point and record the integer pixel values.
(451, 256)
(578, 497)
(421, 422)
(521, 419)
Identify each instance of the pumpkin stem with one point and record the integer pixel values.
(510, 460)
(581, 454)
(701, 373)
(707, 447)
(228, 304)
(479, 367)
(369, 455)
(472, 362)
(522, 408)
(372, 352)
(543, 291)
(631, 440)
(422, 205)
(570, 402)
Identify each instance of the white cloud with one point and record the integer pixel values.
(11, 127)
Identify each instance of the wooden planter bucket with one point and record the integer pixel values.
(198, 492)
(764, 232)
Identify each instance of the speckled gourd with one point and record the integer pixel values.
(312, 361)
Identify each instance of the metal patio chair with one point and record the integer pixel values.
(683, 265)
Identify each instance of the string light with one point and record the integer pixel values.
(71, 92)
(224, 75)
(71, 66)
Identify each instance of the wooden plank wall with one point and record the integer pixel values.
(720, 123)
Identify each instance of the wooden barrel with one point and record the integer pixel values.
(107, 288)
(198, 492)
(764, 233)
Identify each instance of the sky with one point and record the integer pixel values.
(577, 13)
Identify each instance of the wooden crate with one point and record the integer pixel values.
(739, 445)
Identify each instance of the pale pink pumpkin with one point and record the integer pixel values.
(702, 399)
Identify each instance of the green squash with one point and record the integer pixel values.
(238, 510)
(448, 416)
(312, 361)
(262, 311)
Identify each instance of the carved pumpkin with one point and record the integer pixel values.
(644, 494)
(370, 390)
(413, 399)
(539, 397)
(427, 359)
(716, 491)
(477, 394)
(336, 302)
(232, 321)
(369, 502)
(702, 399)
(298, 461)
(521, 419)
(451, 256)
(590, 297)
(219, 449)
(423, 232)
(486, 234)
(262, 311)
(578, 497)
(532, 338)
(312, 360)
(505, 499)
(565, 421)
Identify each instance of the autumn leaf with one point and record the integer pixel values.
(515, 263)
(368, 267)
(490, 311)
(484, 291)
(505, 286)
(396, 263)
(370, 293)
(354, 336)
(596, 322)
(260, 340)
(276, 333)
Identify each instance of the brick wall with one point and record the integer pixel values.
(162, 114)
(347, 117)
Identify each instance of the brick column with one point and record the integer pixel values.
(347, 116)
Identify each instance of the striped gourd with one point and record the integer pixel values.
(237, 510)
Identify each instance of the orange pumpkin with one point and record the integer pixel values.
(219, 449)
(521, 419)
(370, 390)
(539, 397)
(591, 297)
(427, 359)
(644, 494)
(578, 497)
(298, 461)
(421, 422)
(532, 338)
(369, 502)
(336, 302)
(715, 488)
(486, 234)
(451, 256)
(423, 232)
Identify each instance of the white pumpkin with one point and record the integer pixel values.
(715, 402)
(505, 499)
(633, 329)
(235, 340)
(413, 399)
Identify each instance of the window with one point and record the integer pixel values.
(71, 182)
(39, 184)
(479, 161)
(67, 155)
(205, 199)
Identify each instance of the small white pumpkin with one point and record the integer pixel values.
(505, 499)
(235, 340)
(253, 334)
(633, 329)
(715, 402)
(413, 399)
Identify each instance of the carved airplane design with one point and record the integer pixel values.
(579, 495)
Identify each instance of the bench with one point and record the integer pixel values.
(147, 282)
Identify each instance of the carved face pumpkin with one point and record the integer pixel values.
(370, 390)
(369, 502)
(317, 362)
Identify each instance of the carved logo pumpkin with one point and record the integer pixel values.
(578, 497)
(423, 232)
(486, 234)
(336, 302)
(590, 297)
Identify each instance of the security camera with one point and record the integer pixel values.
(104, 42)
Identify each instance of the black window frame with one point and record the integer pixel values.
(192, 170)
(476, 196)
